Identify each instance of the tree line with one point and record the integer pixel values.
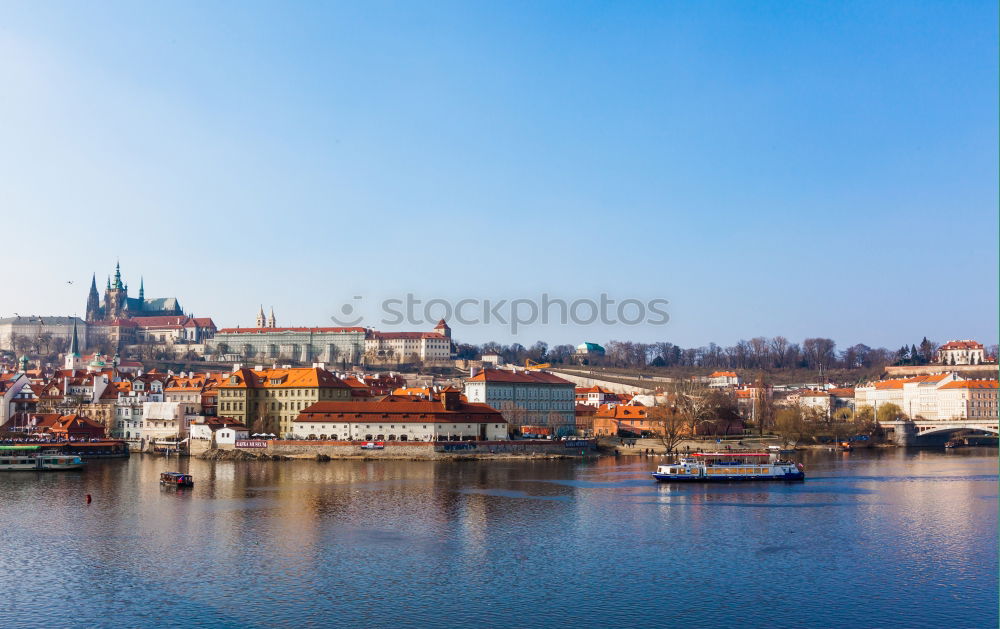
(757, 353)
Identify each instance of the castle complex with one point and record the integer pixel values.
(118, 305)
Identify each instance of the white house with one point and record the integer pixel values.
(967, 352)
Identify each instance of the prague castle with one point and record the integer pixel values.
(118, 305)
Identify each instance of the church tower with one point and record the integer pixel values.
(271, 323)
(260, 317)
(93, 301)
(73, 359)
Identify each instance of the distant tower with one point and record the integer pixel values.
(260, 317)
(142, 290)
(270, 320)
(443, 329)
(24, 363)
(93, 301)
(73, 360)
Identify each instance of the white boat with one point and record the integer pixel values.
(729, 466)
(13, 461)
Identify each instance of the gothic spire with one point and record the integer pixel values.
(74, 345)
(142, 290)
(118, 276)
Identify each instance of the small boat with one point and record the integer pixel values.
(374, 445)
(845, 446)
(729, 466)
(44, 461)
(954, 443)
(176, 479)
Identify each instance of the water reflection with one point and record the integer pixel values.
(889, 538)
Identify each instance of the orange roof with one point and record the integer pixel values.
(813, 393)
(301, 377)
(622, 411)
(842, 392)
(723, 374)
(897, 383)
(972, 384)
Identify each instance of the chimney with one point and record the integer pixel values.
(450, 400)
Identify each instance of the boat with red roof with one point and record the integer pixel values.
(730, 466)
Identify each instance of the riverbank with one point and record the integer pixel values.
(279, 450)
(376, 455)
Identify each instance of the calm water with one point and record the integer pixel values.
(890, 539)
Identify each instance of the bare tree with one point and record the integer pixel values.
(669, 425)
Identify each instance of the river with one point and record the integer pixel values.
(871, 539)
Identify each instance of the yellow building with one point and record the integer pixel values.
(269, 400)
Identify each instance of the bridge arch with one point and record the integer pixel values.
(936, 430)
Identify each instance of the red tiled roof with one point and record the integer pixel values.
(967, 344)
(517, 377)
(269, 330)
(388, 336)
(400, 410)
(723, 374)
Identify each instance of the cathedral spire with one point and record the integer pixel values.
(260, 317)
(271, 323)
(118, 276)
(93, 301)
(142, 290)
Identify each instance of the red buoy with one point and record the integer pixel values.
(88, 499)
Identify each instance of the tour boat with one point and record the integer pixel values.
(729, 466)
(176, 479)
(44, 461)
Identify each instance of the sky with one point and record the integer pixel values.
(768, 168)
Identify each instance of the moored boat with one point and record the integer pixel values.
(29, 458)
(729, 466)
(176, 479)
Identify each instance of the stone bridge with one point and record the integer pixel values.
(913, 432)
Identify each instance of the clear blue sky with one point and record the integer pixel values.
(803, 169)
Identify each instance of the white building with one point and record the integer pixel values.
(968, 399)
(966, 352)
(41, 330)
(526, 398)
(406, 346)
(721, 379)
(163, 421)
(331, 345)
(398, 418)
(935, 397)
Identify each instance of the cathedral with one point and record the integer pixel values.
(118, 305)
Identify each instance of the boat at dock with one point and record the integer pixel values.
(176, 479)
(31, 458)
(730, 466)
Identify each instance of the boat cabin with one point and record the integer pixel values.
(176, 479)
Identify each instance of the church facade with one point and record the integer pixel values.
(118, 305)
